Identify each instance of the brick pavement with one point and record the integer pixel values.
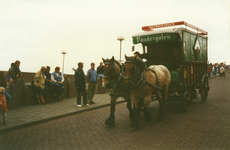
(28, 115)
(204, 126)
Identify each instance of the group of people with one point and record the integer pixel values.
(91, 80)
(13, 74)
(221, 69)
(54, 81)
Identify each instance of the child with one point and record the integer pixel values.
(3, 106)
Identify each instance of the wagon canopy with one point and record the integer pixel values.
(159, 35)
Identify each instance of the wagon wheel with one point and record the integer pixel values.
(204, 88)
(186, 101)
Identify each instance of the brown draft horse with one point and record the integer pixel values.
(143, 83)
(114, 80)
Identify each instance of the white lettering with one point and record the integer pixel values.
(157, 38)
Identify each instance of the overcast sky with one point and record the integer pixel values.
(37, 31)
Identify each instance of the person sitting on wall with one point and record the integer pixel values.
(100, 73)
(150, 61)
(39, 84)
(49, 82)
(58, 78)
(14, 72)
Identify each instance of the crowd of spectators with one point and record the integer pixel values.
(218, 69)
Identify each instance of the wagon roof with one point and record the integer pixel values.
(158, 31)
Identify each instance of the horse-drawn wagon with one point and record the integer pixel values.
(182, 48)
(176, 68)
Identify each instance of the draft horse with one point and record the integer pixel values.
(143, 83)
(114, 80)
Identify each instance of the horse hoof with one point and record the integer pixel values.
(134, 129)
(110, 122)
(109, 126)
(160, 118)
(148, 119)
(131, 117)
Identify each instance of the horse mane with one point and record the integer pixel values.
(119, 64)
(138, 60)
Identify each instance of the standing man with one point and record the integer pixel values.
(80, 85)
(100, 73)
(91, 78)
(58, 78)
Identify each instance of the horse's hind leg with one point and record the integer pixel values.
(146, 107)
(161, 103)
(111, 120)
(147, 113)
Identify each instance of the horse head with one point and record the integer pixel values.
(134, 67)
(112, 70)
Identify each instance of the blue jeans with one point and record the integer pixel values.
(8, 97)
(100, 75)
(59, 89)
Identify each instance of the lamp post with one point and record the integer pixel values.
(120, 38)
(63, 61)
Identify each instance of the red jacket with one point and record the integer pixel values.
(209, 69)
(3, 106)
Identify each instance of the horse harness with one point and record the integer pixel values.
(142, 78)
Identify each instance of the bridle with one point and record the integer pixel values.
(110, 62)
(117, 80)
(135, 69)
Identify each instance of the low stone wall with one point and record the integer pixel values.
(22, 92)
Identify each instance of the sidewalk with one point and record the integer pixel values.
(28, 115)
